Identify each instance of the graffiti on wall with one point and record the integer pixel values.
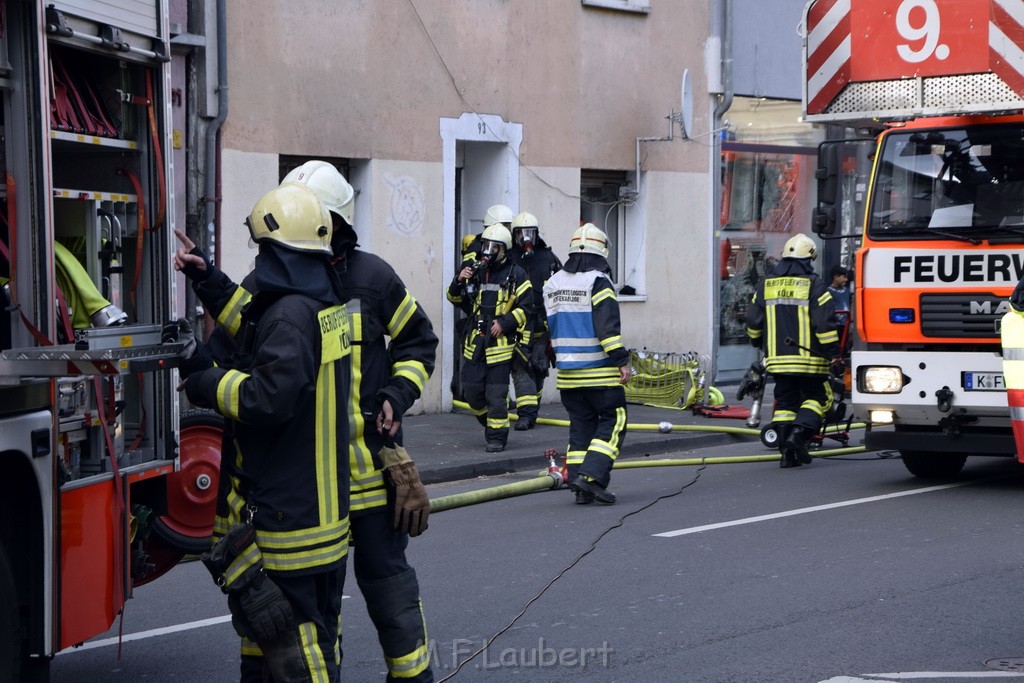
(406, 204)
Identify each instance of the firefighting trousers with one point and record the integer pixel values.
(312, 651)
(528, 388)
(486, 390)
(801, 399)
(597, 428)
(392, 595)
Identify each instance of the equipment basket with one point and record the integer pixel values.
(664, 378)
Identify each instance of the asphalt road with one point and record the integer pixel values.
(845, 570)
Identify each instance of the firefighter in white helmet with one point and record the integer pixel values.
(495, 294)
(530, 361)
(498, 214)
(397, 348)
(792, 318)
(593, 364)
(281, 536)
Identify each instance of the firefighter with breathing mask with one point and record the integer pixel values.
(530, 360)
(495, 294)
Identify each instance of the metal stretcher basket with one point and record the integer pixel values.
(664, 378)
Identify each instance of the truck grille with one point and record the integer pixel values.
(962, 316)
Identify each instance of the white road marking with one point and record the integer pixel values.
(922, 675)
(153, 633)
(804, 511)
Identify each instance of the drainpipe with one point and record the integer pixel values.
(212, 213)
(723, 31)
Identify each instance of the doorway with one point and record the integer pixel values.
(481, 168)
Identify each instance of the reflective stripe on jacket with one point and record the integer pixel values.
(793, 304)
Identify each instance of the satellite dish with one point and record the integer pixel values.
(686, 106)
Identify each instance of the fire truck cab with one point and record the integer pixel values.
(935, 85)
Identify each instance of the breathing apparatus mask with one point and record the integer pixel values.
(490, 253)
(526, 238)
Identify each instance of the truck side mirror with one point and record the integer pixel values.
(825, 218)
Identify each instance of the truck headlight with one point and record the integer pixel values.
(881, 380)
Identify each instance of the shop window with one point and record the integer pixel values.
(605, 200)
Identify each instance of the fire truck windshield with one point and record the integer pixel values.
(952, 183)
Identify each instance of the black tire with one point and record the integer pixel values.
(10, 638)
(933, 465)
(770, 435)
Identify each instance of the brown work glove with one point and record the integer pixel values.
(412, 506)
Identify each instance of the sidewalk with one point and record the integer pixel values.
(450, 446)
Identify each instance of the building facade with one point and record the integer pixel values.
(437, 109)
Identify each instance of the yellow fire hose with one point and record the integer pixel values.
(546, 480)
(542, 482)
(651, 427)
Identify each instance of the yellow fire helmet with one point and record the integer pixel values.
(292, 216)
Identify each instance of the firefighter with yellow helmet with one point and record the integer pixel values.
(792, 318)
(394, 348)
(281, 533)
(494, 293)
(593, 365)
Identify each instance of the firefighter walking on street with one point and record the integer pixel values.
(530, 360)
(281, 532)
(592, 363)
(388, 500)
(495, 294)
(792, 318)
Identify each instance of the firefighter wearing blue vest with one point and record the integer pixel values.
(282, 529)
(592, 363)
(792, 318)
(393, 352)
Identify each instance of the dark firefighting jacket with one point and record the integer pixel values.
(793, 303)
(281, 391)
(539, 266)
(380, 307)
(502, 292)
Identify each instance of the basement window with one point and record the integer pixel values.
(637, 6)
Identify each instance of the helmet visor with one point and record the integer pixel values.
(525, 236)
(491, 250)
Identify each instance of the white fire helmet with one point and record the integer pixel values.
(495, 241)
(329, 186)
(589, 239)
(799, 246)
(524, 231)
(499, 213)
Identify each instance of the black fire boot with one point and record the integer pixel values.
(796, 446)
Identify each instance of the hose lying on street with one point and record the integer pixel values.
(546, 481)
(667, 427)
(543, 482)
